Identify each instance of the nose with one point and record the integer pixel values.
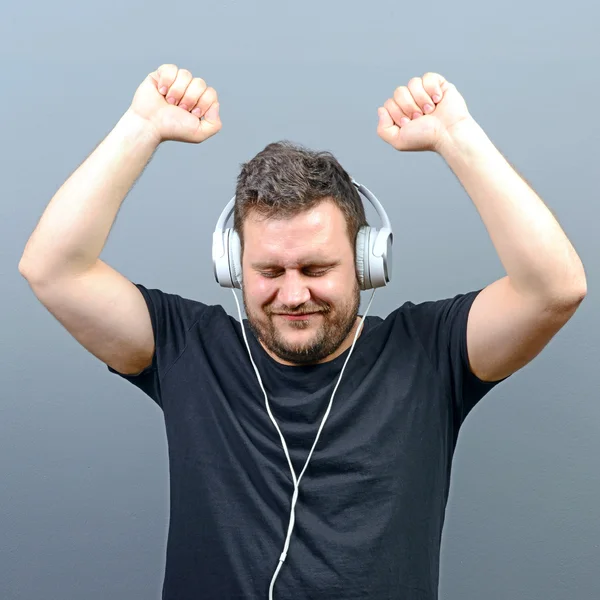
(293, 291)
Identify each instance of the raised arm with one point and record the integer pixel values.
(102, 309)
(515, 317)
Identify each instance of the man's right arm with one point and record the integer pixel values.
(101, 308)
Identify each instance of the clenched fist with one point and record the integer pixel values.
(423, 114)
(178, 106)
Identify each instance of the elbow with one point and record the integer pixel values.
(29, 272)
(24, 269)
(571, 291)
(569, 298)
(578, 290)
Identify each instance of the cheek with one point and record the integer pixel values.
(332, 290)
(326, 289)
(260, 291)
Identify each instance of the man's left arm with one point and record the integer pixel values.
(515, 317)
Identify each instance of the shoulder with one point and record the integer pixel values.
(435, 325)
(179, 310)
(437, 312)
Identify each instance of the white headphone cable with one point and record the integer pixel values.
(296, 482)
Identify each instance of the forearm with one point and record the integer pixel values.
(537, 255)
(75, 225)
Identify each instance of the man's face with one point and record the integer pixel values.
(299, 283)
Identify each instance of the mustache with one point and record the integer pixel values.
(305, 310)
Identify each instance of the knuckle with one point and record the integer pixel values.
(210, 93)
(401, 93)
(206, 99)
(392, 107)
(167, 69)
(179, 81)
(167, 66)
(194, 89)
(404, 97)
(188, 99)
(167, 74)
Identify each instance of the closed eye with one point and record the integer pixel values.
(309, 272)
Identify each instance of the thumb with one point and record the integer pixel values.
(211, 123)
(387, 129)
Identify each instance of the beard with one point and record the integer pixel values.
(337, 323)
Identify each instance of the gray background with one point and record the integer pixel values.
(83, 463)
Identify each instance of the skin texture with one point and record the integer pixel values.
(515, 317)
(301, 265)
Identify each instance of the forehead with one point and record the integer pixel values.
(319, 231)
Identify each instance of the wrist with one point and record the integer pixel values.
(464, 141)
(138, 128)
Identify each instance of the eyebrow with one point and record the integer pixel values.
(315, 262)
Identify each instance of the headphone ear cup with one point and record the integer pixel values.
(380, 257)
(235, 258)
(221, 260)
(362, 257)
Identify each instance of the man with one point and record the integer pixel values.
(369, 512)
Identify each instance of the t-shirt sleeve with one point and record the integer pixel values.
(172, 318)
(442, 328)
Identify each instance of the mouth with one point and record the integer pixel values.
(292, 317)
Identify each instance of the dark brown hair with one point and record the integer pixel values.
(286, 179)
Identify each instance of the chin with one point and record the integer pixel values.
(301, 339)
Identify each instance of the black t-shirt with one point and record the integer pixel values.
(372, 501)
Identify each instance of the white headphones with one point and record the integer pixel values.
(373, 249)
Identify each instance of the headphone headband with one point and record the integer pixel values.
(228, 210)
